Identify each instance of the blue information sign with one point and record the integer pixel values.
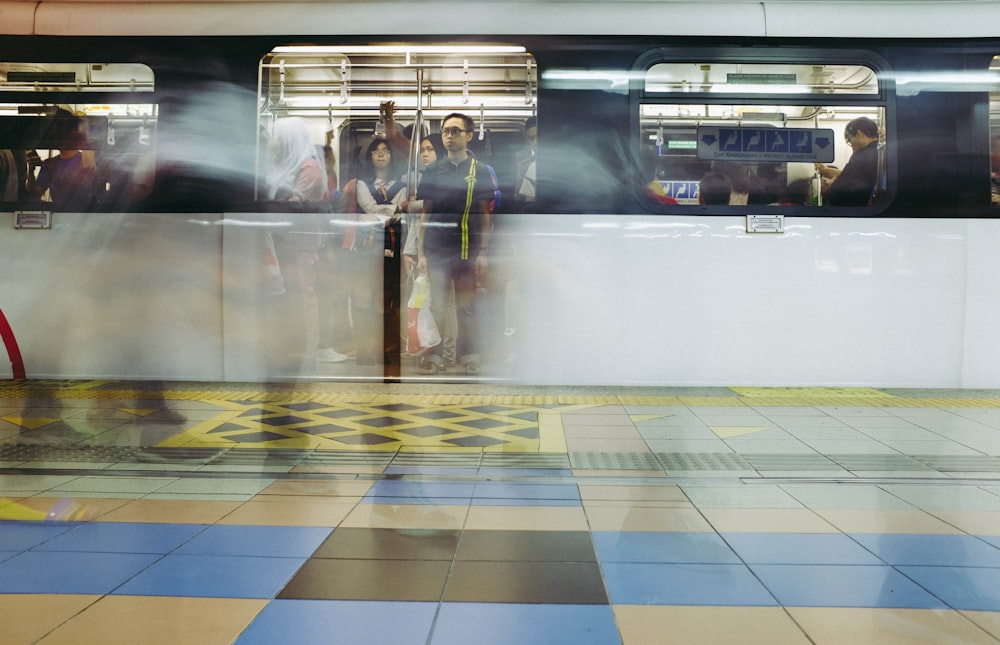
(765, 144)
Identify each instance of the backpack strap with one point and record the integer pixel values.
(471, 181)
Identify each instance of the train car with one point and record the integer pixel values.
(171, 253)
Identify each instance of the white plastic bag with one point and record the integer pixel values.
(421, 330)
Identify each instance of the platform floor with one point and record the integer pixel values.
(439, 514)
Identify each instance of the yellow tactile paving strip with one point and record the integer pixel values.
(377, 424)
(313, 417)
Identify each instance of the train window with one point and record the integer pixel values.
(762, 134)
(59, 150)
(995, 138)
(345, 96)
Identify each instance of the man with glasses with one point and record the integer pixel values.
(853, 185)
(454, 237)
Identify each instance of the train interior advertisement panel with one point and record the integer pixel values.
(646, 211)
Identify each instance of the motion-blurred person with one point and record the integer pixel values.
(853, 186)
(298, 175)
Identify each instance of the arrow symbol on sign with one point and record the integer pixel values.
(708, 139)
(822, 142)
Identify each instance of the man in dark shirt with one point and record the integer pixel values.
(853, 185)
(454, 237)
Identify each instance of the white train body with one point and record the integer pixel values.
(610, 289)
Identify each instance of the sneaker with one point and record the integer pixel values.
(330, 355)
(472, 368)
(429, 367)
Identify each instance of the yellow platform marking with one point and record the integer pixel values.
(139, 412)
(377, 424)
(551, 437)
(728, 432)
(638, 418)
(31, 423)
(809, 392)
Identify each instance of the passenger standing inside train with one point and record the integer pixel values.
(70, 176)
(525, 194)
(431, 149)
(454, 237)
(853, 185)
(298, 175)
(380, 197)
(715, 189)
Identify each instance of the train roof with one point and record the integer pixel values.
(751, 18)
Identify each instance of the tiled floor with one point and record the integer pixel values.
(326, 514)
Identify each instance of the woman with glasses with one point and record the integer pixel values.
(853, 185)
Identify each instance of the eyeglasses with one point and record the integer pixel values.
(848, 136)
(452, 132)
(379, 152)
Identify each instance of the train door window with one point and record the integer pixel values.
(767, 133)
(76, 136)
(344, 96)
(994, 136)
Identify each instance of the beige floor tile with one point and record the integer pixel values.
(974, 522)
(606, 445)
(353, 489)
(290, 511)
(606, 503)
(601, 432)
(158, 620)
(632, 492)
(169, 511)
(643, 625)
(834, 626)
(526, 518)
(632, 517)
(336, 470)
(580, 472)
(886, 521)
(988, 620)
(406, 516)
(767, 520)
(25, 619)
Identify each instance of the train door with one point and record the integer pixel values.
(350, 300)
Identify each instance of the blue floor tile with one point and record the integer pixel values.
(524, 492)
(429, 470)
(684, 584)
(526, 472)
(70, 573)
(263, 541)
(843, 586)
(799, 548)
(504, 624)
(123, 537)
(693, 548)
(427, 501)
(417, 489)
(938, 550)
(213, 577)
(972, 589)
(20, 536)
(324, 622)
